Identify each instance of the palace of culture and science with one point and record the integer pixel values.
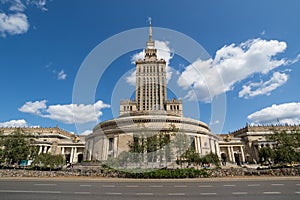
(150, 112)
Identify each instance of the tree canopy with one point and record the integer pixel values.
(285, 149)
(16, 146)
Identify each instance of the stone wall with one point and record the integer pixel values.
(100, 172)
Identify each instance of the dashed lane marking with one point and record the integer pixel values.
(45, 184)
(145, 194)
(113, 193)
(229, 185)
(277, 184)
(176, 194)
(132, 186)
(82, 193)
(207, 193)
(29, 191)
(239, 193)
(254, 185)
(85, 185)
(205, 186)
(108, 186)
(180, 186)
(272, 192)
(156, 186)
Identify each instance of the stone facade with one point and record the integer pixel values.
(54, 141)
(243, 145)
(150, 113)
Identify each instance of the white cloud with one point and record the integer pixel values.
(284, 113)
(231, 64)
(87, 132)
(61, 75)
(13, 24)
(68, 113)
(163, 51)
(264, 88)
(14, 123)
(39, 4)
(36, 107)
(17, 5)
(14, 21)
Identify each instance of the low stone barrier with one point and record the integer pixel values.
(100, 172)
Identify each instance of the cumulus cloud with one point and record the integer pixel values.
(16, 5)
(61, 75)
(13, 24)
(87, 132)
(264, 88)
(163, 51)
(14, 123)
(68, 113)
(36, 107)
(14, 21)
(205, 79)
(283, 113)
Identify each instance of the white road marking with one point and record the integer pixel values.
(297, 192)
(205, 186)
(156, 186)
(132, 186)
(30, 191)
(298, 184)
(277, 184)
(148, 194)
(207, 193)
(229, 185)
(44, 184)
(176, 194)
(113, 193)
(85, 185)
(254, 185)
(180, 186)
(237, 193)
(272, 192)
(82, 192)
(108, 186)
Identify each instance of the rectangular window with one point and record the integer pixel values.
(111, 144)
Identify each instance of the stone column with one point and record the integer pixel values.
(63, 150)
(75, 155)
(40, 150)
(196, 144)
(71, 155)
(242, 152)
(232, 154)
(229, 153)
(217, 148)
(200, 146)
(45, 149)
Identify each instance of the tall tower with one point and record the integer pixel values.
(151, 92)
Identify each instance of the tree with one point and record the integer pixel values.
(49, 161)
(286, 145)
(16, 146)
(211, 158)
(266, 154)
(181, 143)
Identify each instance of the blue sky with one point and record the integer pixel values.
(254, 49)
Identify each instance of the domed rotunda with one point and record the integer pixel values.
(151, 126)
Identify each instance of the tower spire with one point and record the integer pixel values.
(150, 29)
(150, 43)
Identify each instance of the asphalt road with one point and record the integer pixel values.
(85, 189)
